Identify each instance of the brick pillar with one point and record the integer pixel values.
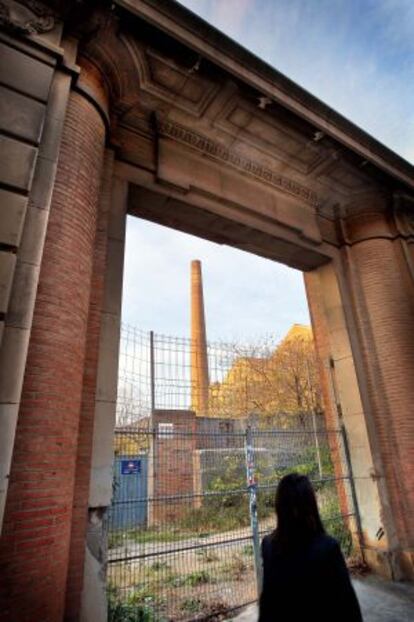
(377, 259)
(87, 415)
(171, 468)
(199, 361)
(35, 546)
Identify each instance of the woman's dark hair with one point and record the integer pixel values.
(298, 519)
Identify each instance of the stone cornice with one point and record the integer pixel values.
(231, 157)
(179, 23)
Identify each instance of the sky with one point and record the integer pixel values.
(355, 55)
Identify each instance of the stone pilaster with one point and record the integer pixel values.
(343, 407)
(37, 526)
(35, 77)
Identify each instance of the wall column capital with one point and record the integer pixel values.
(92, 85)
(404, 215)
(377, 214)
(368, 216)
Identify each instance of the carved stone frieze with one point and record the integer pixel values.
(219, 152)
(26, 17)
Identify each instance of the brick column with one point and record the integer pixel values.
(377, 260)
(35, 547)
(87, 414)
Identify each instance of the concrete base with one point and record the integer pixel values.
(393, 566)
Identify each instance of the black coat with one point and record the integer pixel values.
(311, 583)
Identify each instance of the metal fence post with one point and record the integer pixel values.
(353, 491)
(252, 490)
(152, 372)
(152, 438)
(318, 450)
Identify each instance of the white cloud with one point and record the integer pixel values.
(355, 56)
(245, 295)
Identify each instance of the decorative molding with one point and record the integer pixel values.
(219, 152)
(27, 17)
(404, 214)
(242, 120)
(371, 202)
(165, 80)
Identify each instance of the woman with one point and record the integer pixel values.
(304, 572)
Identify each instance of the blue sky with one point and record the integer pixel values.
(358, 57)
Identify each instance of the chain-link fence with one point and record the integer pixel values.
(194, 495)
(268, 382)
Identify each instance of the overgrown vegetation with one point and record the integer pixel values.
(198, 577)
(192, 605)
(149, 534)
(137, 606)
(150, 592)
(227, 508)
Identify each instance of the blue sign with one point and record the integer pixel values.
(130, 467)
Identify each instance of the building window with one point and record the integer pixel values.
(165, 430)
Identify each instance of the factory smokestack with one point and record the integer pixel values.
(199, 362)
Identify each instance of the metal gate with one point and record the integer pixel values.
(207, 503)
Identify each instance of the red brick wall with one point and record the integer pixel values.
(35, 544)
(173, 459)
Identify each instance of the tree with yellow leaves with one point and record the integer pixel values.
(271, 383)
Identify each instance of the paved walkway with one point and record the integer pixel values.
(381, 601)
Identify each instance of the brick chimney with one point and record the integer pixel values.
(199, 362)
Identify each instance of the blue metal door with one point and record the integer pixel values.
(129, 505)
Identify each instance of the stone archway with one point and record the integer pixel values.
(145, 109)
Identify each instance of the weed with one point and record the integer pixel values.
(127, 610)
(193, 579)
(175, 580)
(141, 536)
(235, 569)
(207, 555)
(198, 578)
(158, 566)
(142, 595)
(191, 605)
(340, 532)
(247, 550)
(115, 539)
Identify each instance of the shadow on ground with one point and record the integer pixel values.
(381, 601)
